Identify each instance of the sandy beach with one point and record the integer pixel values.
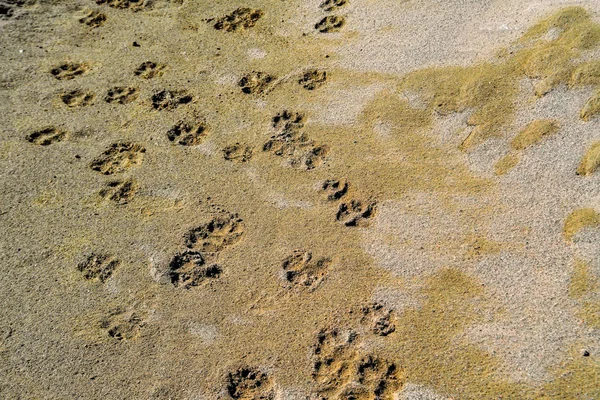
(303, 200)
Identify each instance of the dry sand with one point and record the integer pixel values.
(299, 199)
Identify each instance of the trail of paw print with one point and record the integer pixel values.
(313, 79)
(121, 95)
(119, 191)
(303, 272)
(98, 266)
(331, 23)
(47, 136)
(238, 153)
(257, 82)
(134, 5)
(149, 70)
(340, 371)
(198, 264)
(250, 383)
(93, 19)
(123, 324)
(293, 144)
(378, 318)
(70, 70)
(77, 98)
(118, 157)
(170, 99)
(188, 133)
(239, 19)
(351, 212)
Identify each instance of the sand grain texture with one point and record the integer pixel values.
(340, 199)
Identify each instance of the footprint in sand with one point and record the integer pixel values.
(303, 272)
(192, 268)
(98, 266)
(93, 19)
(241, 18)
(69, 70)
(250, 383)
(256, 82)
(77, 98)
(119, 191)
(188, 133)
(331, 23)
(118, 157)
(238, 152)
(47, 136)
(149, 70)
(121, 95)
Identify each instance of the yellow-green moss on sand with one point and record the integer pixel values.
(582, 281)
(580, 219)
(591, 108)
(489, 90)
(506, 163)
(583, 287)
(533, 133)
(590, 161)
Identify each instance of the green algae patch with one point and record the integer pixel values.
(591, 160)
(591, 108)
(580, 219)
(506, 163)
(533, 133)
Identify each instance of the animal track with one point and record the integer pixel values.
(191, 268)
(69, 71)
(256, 82)
(149, 70)
(119, 191)
(94, 19)
(170, 99)
(242, 18)
(188, 133)
(118, 157)
(304, 272)
(77, 98)
(378, 318)
(122, 325)
(221, 232)
(313, 79)
(334, 355)
(121, 95)
(237, 152)
(331, 23)
(332, 5)
(46, 136)
(134, 5)
(6, 12)
(98, 266)
(376, 379)
(341, 373)
(335, 189)
(356, 212)
(292, 143)
(250, 383)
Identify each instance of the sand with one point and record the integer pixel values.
(361, 199)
